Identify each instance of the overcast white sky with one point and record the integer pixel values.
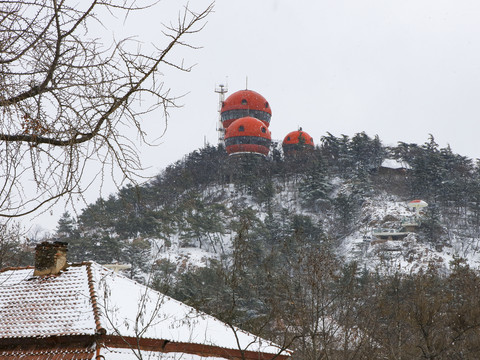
(401, 69)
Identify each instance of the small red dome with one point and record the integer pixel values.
(245, 103)
(297, 140)
(247, 135)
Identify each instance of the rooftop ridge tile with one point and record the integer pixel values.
(10, 268)
(93, 298)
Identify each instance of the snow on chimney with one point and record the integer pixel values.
(50, 258)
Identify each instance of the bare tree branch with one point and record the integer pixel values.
(66, 100)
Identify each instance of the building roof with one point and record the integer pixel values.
(245, 103)
(45, 306)
(121, 354)
(394, 164)
(246, 99)
(48, 352)
(296, 137)
(90, 300)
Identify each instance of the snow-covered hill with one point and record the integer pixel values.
(339, 195)
(366, 244)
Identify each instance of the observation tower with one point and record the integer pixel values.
(297, 141)
(245, 103)
(247, 135)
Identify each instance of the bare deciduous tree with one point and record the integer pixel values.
(66, 100)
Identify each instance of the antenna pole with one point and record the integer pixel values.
(221, 90)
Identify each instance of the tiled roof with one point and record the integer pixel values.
(127, 354)
(45, 306)
(63, 352)
(88, 299)
(129, 309)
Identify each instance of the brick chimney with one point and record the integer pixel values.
(50, 258)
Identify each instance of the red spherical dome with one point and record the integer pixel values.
(247, 135)
(245, 103)
(297, 140)
(298, 137)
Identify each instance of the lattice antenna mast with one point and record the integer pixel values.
(221, 90)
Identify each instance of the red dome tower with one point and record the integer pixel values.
(247, 135)
(245, 103)
(297, 140)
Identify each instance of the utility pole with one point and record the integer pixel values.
(221, 90)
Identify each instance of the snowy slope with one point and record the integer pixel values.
(381, 210)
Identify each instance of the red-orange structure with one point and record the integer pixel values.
(245, 103)
(297, 140)
(247, 135)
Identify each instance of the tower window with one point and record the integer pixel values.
(266, 105)
(264, 130)
(241, 128)
(244, 101)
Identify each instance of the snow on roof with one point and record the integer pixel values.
(394, 164)
(129, 354)
(45, 306)
(67, 304)
(128, 308)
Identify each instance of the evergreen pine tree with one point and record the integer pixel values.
(315, 185)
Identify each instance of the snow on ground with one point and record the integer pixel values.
(384, 211)
(407, 255)
(185, 258)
